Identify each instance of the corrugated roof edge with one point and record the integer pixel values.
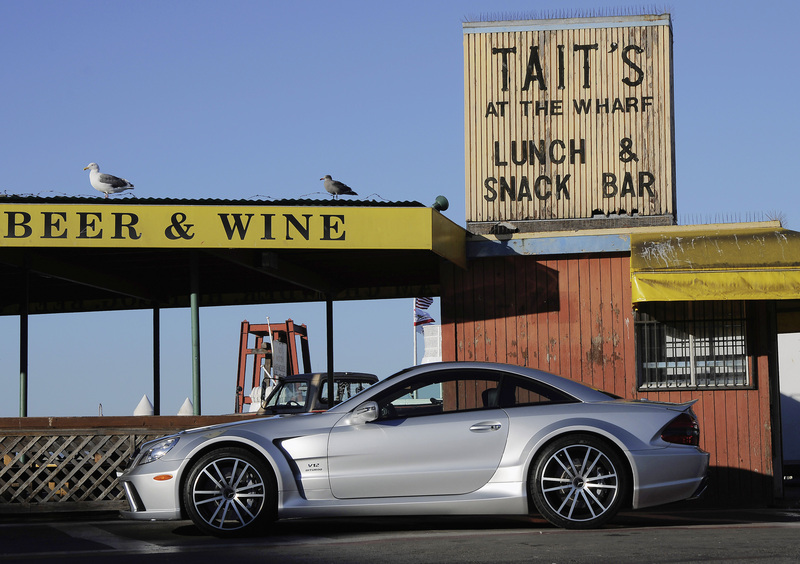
(15, 199)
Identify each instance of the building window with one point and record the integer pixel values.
(691, 345)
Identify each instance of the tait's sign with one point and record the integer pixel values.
(568, 118)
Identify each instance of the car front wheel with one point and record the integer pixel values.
(230, 492)
(578, 482)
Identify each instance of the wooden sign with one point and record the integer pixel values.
(568, 119)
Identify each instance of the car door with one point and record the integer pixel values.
(438, 435)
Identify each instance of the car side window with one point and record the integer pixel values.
(442, 392)
(517, 392)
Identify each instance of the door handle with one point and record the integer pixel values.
(486, 426)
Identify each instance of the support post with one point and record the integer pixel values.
(156, 360)
(23, 348)
(329, 331)
(194, 304)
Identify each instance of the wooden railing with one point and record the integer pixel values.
(71, 463)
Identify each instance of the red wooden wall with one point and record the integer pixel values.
(572, 316)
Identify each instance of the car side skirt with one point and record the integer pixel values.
(508, 498)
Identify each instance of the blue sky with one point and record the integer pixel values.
(260, 99)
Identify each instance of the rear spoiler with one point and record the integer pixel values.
(670, 405)
(686, 406)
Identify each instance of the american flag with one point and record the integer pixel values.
(421, 317)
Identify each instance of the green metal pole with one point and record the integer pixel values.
(329, 331)
(156, 360)
(23, 350)
(195, 314)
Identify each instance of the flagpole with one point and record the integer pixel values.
(414, 328)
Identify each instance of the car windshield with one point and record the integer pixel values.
(289, 394)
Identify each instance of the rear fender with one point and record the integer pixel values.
(618, 438)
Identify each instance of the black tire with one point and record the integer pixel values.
(231, 492)
(579, 482)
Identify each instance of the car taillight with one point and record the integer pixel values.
(683, 430)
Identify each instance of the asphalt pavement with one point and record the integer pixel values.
(663, 536)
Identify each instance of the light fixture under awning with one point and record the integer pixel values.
(696, 263)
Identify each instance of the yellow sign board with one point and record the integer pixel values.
(234, 226)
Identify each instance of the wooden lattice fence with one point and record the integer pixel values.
(65, 469)
(49, 467)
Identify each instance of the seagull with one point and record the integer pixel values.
(106, 183)
(337, 188)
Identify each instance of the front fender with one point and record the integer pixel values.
(253, 442)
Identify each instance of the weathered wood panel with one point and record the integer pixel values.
(562, 315)
(736, 425)
(564, 120)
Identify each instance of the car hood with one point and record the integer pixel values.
(272, 427)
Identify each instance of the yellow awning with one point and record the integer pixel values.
(716, 263)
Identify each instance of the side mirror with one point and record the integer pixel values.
(364, 413)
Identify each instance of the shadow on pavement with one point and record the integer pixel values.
(678, 517)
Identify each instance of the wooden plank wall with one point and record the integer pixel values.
(572, 316)
(567, 316)
(736, 425)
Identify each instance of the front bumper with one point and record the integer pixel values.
(139, 510)
(150, 494)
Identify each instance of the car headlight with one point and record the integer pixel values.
(157, 450)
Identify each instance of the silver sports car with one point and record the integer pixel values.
(448, 438)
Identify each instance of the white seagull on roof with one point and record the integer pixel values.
(337, 188)
(106, 183)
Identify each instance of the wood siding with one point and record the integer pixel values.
(572, 316)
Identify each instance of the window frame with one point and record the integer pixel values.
(428, 379)
(531, 385)
(502, 379)
(712, 335)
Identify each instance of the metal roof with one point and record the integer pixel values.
(255, 201)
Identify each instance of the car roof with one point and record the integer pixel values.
(580, 391)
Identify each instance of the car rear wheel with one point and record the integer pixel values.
(579, 482)
(230, 492)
